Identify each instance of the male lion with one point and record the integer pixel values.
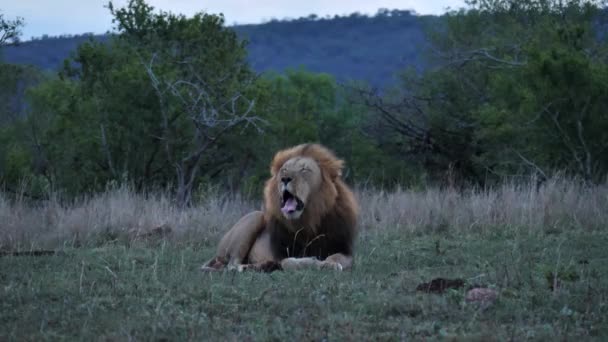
(309, 218)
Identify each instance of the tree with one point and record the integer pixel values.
(13, 79)
(517, 87)
(546, 87)
(153, 106)
(209, 115)
(10, 30)
(199, 73)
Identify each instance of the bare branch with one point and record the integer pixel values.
(531, 164)
(210, 115)
(10, 30)
(581, 138)
(461, 58)
(565, 137)
(106, 149)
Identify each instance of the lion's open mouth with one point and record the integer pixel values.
(290, 203)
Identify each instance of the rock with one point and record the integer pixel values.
(481, 295)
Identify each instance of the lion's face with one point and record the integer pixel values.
(303, 186)
(298, 179)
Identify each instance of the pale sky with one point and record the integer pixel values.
(55, 17)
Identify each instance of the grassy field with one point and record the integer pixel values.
(543, 251)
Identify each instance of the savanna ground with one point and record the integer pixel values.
(126, 266)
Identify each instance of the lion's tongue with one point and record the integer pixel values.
(290, 205)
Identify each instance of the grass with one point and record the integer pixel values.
(109, 281)
(144, 293)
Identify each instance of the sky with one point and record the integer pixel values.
(55, 17)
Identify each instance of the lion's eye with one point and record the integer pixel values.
(305, 170)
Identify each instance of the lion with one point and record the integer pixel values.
(309, 218)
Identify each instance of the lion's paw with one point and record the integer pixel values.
(214, 265)
(238, 268)
(299, 263)
(331, 265)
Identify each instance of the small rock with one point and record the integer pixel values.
(161, 231)
(481, 295)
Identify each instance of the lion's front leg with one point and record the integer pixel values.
(266, 267)
(338, 262)
(345, 261)
(257, 257)
(289, 264)
(236, 244)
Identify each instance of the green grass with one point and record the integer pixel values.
(157, 292)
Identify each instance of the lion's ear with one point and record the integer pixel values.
(335, 168)
(279, 159)
(273, 169)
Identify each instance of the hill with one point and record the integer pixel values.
(358, 47)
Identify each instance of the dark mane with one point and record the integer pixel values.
(336, 233)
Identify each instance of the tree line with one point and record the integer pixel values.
(514, 88)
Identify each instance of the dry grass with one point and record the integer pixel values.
(557, 204)
(114, 215)
(122, 214)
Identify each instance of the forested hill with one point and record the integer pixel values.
(358, 47)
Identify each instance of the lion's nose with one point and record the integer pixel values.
(285, 180)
